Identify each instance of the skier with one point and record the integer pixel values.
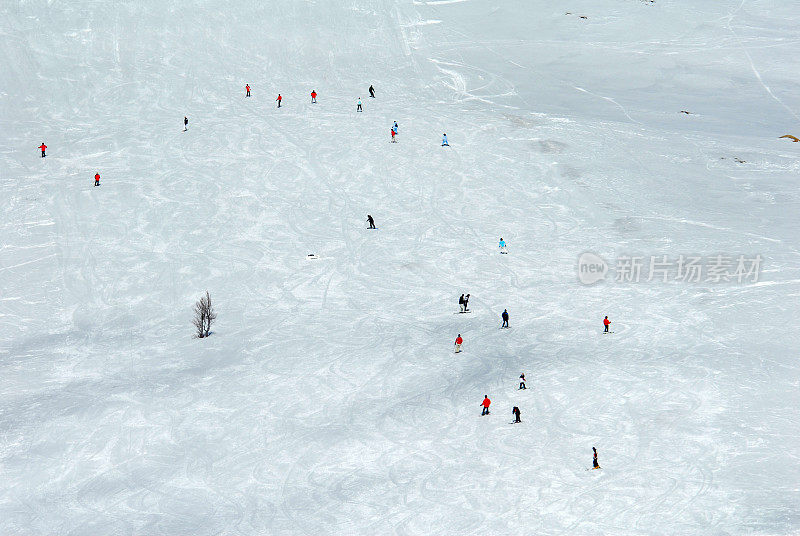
(444, 141)
(358, 105)
(247, 88)
(522, 381)
(606, 323)
(595, 465)
(459, 341)
(371, 91)
(502, 245)
(466, 303)
(461, 303)
(505, 318)
(313, 96)
(486, 402)
(393, 135)
(97, 179)
(185, 123)
(371, 222)
(279, 99)
(515, 412)
(395, 127)
(43, 147)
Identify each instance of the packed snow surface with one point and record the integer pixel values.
(328, 399)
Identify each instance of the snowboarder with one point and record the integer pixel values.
(313, 96)
(444, 141)
(502, 245)
(486, 402)
(461, 303)
(505, 318)
(395, 127)
(466, 303)
(459, 341)
(393, 135)
(371, 91)
(371, 222)
(247, 88)
(606, 323)
(595, 465)
(279, 99)
(43, 147)
(185, 123)
(358, 105)
(97, 179)
(522, 381)
(515, 412)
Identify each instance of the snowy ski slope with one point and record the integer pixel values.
(328, 399)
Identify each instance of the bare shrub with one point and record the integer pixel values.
(204, 315)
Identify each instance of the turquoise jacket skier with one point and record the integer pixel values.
(444, 141)
(502, 243)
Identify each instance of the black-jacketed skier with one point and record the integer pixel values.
(461, 304)
(505, 318)
(595, 465)
(185, 123)
(515, 412)
(371, 222)
(371, 91)
(522, 381)
(466, 303)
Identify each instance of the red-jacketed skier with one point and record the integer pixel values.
(486, 402)
(313, 96)
(606, 323)
(97, 179)
(459, 341)
(43, 147)
(393, 136)
(247, 88)
(279, 99)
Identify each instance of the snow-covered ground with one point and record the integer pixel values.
(328, 399)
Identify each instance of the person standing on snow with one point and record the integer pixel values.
(466, 303)
(595, 465)
(522, 381)
(42, 147)
(515, 412)
(459, 341)
(393, 133)
(505, 318)
(185, 123)
(502, 245)
(486, 403)
(313, 97)
(97, 179)
(606, 323)
(279, 99)
(395, 127)
(247, 88)
(371, 91)
(371, 222)
(444, 141)
(358, 105)
(461, 303)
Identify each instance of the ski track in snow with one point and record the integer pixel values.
(328, 399)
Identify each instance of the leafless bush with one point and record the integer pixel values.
(204, 315)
